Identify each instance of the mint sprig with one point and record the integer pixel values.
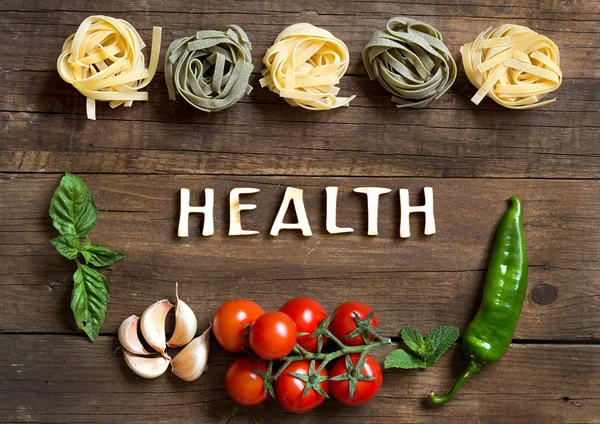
(427, 350)
(73, 214)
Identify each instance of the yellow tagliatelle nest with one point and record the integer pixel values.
(304, 66)
(103, 60)
(513, 65)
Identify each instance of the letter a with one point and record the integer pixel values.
(292, 195)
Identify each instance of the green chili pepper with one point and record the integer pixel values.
(489, 335)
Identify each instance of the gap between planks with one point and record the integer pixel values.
(408, 177)
(396, 340)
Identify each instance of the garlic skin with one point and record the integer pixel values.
(190, 363)
(185, 323)
(128, 336)
(146, 367)
(152, 324)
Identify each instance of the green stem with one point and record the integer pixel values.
(343, 351)
(472, 369)
(337, 341)
(302, 351)
(325, 358)
(328, 357)
(281, 369)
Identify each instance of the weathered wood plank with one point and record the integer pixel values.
(452, 138)
(46, 92)
(437, 279)
(38, 302)
(572, 25)
(49, 132)
(422, 282)
(64, 379)
(467, 8)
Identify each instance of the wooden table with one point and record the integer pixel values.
(136, 160)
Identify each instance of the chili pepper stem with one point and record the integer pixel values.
(472, 369)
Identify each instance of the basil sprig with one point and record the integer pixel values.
(73, 214)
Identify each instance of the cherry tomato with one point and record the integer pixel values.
(307, 314)
(289, 389)
(344, 322)
(273, 335)
(229, 322)
(243, 384)
(365, 389)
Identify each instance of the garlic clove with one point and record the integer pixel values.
(185, 323)
(146, 367)
(152, 324)
(190, 363)
(128, 336)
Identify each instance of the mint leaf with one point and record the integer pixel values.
(99, 255)
(67, 245)
(89, 299)
(428, 349)
(72, 208)
(413, 339)
(399, 358)
(441, 339)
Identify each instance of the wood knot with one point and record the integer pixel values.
(544, 294)
(241, 419)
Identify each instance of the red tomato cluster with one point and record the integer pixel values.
(298, 326)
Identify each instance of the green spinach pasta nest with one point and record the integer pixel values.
(411, 61)
(211, 69)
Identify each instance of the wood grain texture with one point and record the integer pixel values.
(39, 383)
(430, 280)
(135, 161)
(45, 127)
(372, 138)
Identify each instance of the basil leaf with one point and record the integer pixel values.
(72, 207)
(67, 245)
(89, 299)
(99, 255)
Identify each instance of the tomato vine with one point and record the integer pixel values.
(314, 378)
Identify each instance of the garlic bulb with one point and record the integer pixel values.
(190, 363)
(153, 325)
(146, 367)
(128, 336)
(185, 323)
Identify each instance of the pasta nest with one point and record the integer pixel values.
(304, 65)
(103, 60)
(211, 69)
(513, 65)
(411, 61)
